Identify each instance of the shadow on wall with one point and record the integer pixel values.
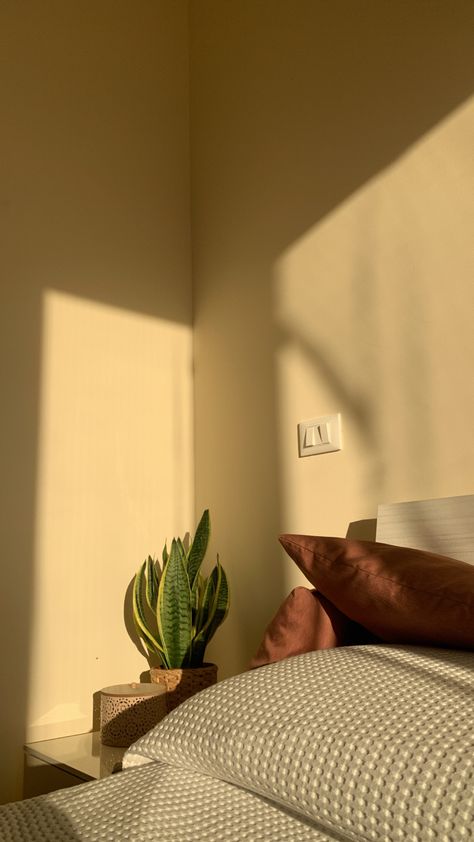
(94, 171)
(371, 327)
(362, 530)
(305, 306)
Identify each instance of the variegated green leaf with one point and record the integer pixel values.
(196, 596)
(181, 549)
(152, 581)
(205, 603)
(174, 610)
(217, 611)
(198, 547)
(139, 617)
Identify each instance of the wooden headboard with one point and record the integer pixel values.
(444, 526)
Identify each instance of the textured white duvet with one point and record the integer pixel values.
(358, 743)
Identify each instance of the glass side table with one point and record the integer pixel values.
(68, 761)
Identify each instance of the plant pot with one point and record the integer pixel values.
(182, 683)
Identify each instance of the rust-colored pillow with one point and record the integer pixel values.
(306, 621)
(399, 594)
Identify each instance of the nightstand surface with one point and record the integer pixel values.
(82, 755)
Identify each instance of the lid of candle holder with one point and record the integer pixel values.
(133, 689)
(127, 711)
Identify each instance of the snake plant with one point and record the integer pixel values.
(176, 609)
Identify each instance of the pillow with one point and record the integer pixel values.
(305, 621)
(364, 742)
(399, 594)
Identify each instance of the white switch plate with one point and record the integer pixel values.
(324, 433)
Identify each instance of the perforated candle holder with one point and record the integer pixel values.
(128, 711)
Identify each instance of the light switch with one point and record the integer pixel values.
(316, 434)
(320, 435)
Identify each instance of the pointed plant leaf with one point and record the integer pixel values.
(217, 610)
(174, 609)
(151, 643)
(205, 603)
(152, 581)
(198, 585)
(196, 597)
(198, 547)
(181, 549)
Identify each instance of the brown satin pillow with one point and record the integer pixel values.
(305, 621)
(399, 594)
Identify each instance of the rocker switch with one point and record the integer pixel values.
(316, 434)
(319, 435)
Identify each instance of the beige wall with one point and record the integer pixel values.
(95, 338)
(331, 203)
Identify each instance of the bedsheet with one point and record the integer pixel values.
(357, 743)
(155, 802)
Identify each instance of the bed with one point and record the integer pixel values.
(352, 742)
